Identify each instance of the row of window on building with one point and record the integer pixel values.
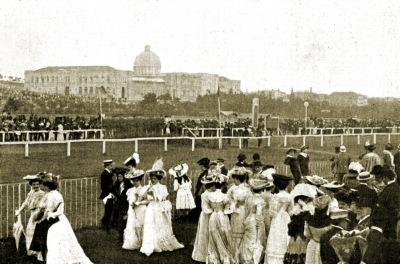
(81, 79)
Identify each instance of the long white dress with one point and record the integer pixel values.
(32, 203)
(133, 232)
(281, 205)
(157, 228)
(62, 245)
(201, 242)
(238, 197)
(184, 196)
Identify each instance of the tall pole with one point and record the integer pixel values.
(219, 115)
(101, 114)
(305, 116)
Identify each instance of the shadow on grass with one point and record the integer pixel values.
(104, 248)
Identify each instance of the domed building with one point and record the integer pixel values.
(147, 63)
(146, 77)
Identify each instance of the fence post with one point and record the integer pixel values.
(304, 140)
(85, 134)
(269, 141)
(26, 150)
(165, 144)
(240, 143)
(322, 140)
(136, 145)
(389, 138)
(104, 147)
(4, 136)
(374, 138)
(341, 139)
(285, 141)
(68, 148)
(193, 143)
(220, 143)
(358, 139)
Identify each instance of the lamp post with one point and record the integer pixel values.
(306, 104)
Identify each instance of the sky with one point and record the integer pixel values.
(335, 45)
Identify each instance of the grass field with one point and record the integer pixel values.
(103, 248)
(86, 157)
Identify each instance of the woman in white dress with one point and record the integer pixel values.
(201, 242)
(183, 188)
(220, 243)
(31, 203)
(238, 197)
(61, 242)
(280, 208)
(157, 229)
(133, 232)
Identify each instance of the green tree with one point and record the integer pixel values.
(12, 105)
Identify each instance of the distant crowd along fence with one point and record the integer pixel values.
(347, 130)
(312, 141)
(82, 205)
(50, 135)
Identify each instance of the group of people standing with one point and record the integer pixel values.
(49, 236)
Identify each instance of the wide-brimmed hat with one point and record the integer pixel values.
(35, 177)
(239, 171)
(207, 179)
(356, 167)
(371, 147)
(157, 169)
(216, 176)
(204, 162)
(337, 213)
(322, 202)
(303, 189)
(316, 180)
(333, 185)
(259, 184)
(50, 178)
(267, 174)
(120, 170)
(132, 160)
(179, 170)
(282, 177)
(365, 176)
(303, 148)
(107, 161)
(134, 174)
(291, 149)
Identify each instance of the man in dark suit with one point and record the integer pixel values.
(389, 200)
(106, 184)
(396, 161)
(291, 161)
(303, 159)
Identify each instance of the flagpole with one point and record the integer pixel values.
(101, 114)
(219, 114)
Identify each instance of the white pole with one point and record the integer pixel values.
(285, 141)
(104, 147)
(26, 150)
(269, 141)
(165, 144)
(136, 145)
(68, 148)
(193, 143)
(322, 140)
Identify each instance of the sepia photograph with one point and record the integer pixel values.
(200, 131)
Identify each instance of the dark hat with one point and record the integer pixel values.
(120, 171)
(388, 146)
(241, 157)
(290, 150)
(371, 147)
(204, 162)
(377, 170)
(256, 156)
(303, 148)
(343, 196)
(282, 177)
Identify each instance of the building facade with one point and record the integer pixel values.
(146, 77)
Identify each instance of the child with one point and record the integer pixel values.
(183, 188)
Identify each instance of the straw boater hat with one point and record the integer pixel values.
(107, 161)
(365, 176)
(259, 184)
(356, 166)
(135, 174)
(132, 160)
(316, 180)
(179, 170)
(338, 213)
(291, 149)
(35, 177)
(157, 169)
(334, 185)
(303, 189)
(239, 171)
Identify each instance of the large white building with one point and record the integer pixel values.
(146, 77)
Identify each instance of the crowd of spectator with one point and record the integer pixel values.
(42, 128)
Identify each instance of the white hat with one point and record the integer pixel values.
(107, 161)
(179, 170)
(342, 148)
(267, 174)
(157, 168)
(316, 180)
(303, 189)
(356, 166)
(364, 176)
(134, 157)
(31, 177)
(333, 185)
(135, 174)
(338, 213)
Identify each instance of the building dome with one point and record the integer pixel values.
(147, 63)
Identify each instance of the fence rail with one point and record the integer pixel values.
(82, 206)
(276, 141)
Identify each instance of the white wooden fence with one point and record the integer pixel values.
(276, 141)
(25, 135)
(82, 206)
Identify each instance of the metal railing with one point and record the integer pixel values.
(82, 206)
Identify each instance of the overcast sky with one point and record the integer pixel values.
(328, 45)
